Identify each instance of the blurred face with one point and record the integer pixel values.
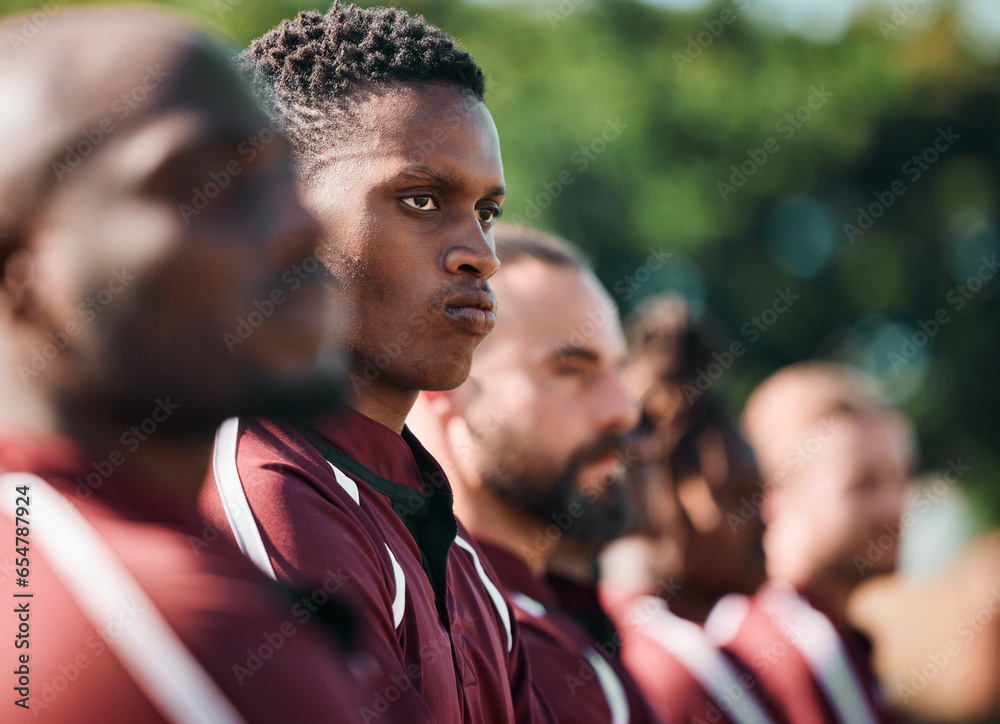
(847, 497)
(725, 551)
(172, 264)
(407, 208)
(545, 404)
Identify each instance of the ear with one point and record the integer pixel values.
(450, 403)
(769, 503)
(440, 403)
(19, 296)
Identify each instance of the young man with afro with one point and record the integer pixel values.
(399, 159)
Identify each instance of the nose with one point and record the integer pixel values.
(473, 254)
(618, 411)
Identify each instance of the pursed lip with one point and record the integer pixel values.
(474, 312)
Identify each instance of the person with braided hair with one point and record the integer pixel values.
(399, 159)
(700, 537)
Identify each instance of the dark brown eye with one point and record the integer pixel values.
(489, 214)
(424, 203)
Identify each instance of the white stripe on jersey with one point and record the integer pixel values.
(234, 498)
(399, 602)
(690, 644)
(611, 685)
(147, 647)
(823, 650)
(491, 588)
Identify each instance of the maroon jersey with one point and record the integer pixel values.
(354, 502)
(119, 618)
(581, 679)
(582, 602)
(681, 670)
(816, 669)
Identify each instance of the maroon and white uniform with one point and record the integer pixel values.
(582, 681)
(816, 669)
(582, 602)
(684, 675)
(122, 619)
(353, 501)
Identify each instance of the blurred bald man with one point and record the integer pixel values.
(532, 444)
(836, 460)
(116, 293)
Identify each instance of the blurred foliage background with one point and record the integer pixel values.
(762, 160)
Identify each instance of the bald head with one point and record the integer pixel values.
(795, 403)
(84, 80)
(145, 206)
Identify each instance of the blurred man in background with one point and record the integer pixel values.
(836, 460)
(399, 159)
(699, 539)
(114, 306)
(532, 443)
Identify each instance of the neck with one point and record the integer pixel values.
(829, 594)
(171, 464)
(691, 604)
(826, 590)
(494, 521)
(575, 560)
(175, 466)
(380, 399)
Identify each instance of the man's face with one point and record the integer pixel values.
(847, 499)
(545, 405)
(407, 208)
(182, 273)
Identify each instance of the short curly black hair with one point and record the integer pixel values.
(311, 72)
